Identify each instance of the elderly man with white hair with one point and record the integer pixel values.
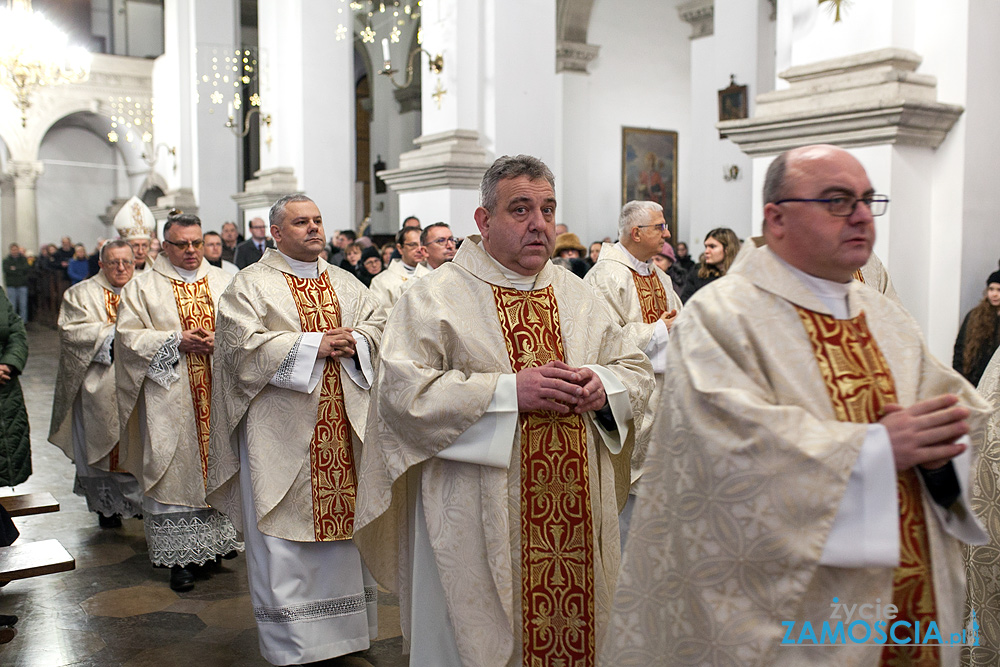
(643, 301)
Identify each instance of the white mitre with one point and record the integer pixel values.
(135, 220)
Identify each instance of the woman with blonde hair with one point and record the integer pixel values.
(721, 247)
(979, 336)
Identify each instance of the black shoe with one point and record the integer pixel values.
(181, 579)
(8, 620)
(231, 555)
(113, 521)
(7, 633)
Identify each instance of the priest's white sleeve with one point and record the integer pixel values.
(656, 349)
(361, 376)
(621, 409)
(490, 440)
(865, 532)
(959, 521)
(103, 354)
(302, 369)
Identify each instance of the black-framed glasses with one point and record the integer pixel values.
(843, 206)
(120, 263)
(661, 226)
(184, 245)
(444, 241)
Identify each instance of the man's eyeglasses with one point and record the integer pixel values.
(443, 241)
(411, 245)
(661, 226)
(184, 245)
(843, 206)
(120, 263)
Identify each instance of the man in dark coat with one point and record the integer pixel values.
(253, 248)
(15, 445)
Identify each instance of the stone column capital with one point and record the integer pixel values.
(701, 15)
(25, 173)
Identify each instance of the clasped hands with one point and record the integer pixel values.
(197, 341)
(5, 374)
(924, 434)
(559, 387)
(337, 342)
(668, 318)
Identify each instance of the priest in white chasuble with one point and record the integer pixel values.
(85, 409)
(806, 490)
(496, 453)
(644, 302)
(297, 340)
(163, 367)
(389, 285)
(983, 584)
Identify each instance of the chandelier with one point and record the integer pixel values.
(35, 53)
(376, 18)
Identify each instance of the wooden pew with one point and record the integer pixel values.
(32, 559)
(26, 504)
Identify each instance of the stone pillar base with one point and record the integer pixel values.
(866, 99)
(263, 190)
(446, 160)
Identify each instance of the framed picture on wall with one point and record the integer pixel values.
(649, 170)
(733, 101)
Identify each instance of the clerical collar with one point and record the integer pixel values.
(831, 293)
(187, 275)
(642, 268)
(116, 290)
(300, 268)
(522, 283)
(407, 267)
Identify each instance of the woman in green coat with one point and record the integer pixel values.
(15, 445)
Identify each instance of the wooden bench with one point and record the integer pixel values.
(26, 504)
(33, 559)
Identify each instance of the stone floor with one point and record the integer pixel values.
(115, 608)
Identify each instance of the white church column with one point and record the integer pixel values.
(492, 98)
(199, 35)
(872, 83)
(727, 40)
(306, 86)
(19, 215)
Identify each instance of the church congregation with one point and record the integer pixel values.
(530, 424)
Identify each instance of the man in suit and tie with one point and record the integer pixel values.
(251, 250)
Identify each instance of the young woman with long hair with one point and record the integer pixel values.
(721, 247)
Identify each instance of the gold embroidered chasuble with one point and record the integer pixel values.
(160, 438)
(389, 285)
(860, 385)
(744, 476)
(614, 279)
(443, 353)
(331, 458)
(196, 309)
(557, 548)
(260, 320)
(983, 587)
(86, 319)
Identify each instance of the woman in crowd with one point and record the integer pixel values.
(352, 258)
(721, 247)
(979, 336)
(79, 266)
(593, 253)
(369, 266)
(15, 444)
(387, 251)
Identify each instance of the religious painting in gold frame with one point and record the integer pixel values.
(649, 170)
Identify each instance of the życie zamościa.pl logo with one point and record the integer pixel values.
(876, 623)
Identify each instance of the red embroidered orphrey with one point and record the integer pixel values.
(331, 457)
(111, 301)
(860, 385)
(196, 309)
(652, 296)
(557, 529)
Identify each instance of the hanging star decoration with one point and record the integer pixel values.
(835, 7)
(368, 35)
(438, 93)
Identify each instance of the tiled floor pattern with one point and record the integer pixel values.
(115, 608)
